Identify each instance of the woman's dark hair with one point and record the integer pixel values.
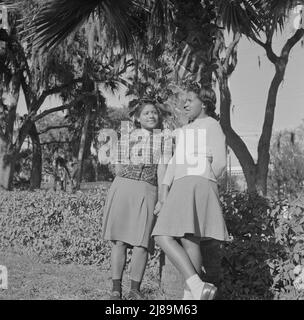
(207, 96)
(140, 107)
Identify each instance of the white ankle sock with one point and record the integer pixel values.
(196, 286)
(187, 295)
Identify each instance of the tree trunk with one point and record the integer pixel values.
(95, 166)
(88, 86)
(8, 157)
(233, 139)
(82, 146)
(264, 142)
(9, 99)
(36, 172)
(5, 166)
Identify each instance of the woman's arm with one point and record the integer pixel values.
(163, 189)
(169, 174)
(165, 178)
(161, 171)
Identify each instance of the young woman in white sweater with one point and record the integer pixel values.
(189, 209)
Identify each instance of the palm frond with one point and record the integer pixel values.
(275, 13)
(59, 18)
(9, 3)
(161, 19)
(283, 6)
(240, 16)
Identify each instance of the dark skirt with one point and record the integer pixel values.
(192, 207)
(128, 212)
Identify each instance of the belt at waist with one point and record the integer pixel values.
(147, 173)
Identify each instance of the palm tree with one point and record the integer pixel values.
(198, 40)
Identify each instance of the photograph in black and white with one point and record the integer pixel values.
(151, 150)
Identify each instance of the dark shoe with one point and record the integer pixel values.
(135, 295)
(209, 291)
(115, 295)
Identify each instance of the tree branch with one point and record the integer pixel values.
(232, 65)
(231, 48)
(268, 48)
(26, 90)
(57, 142)
(53, 127)
(4, 69)
(2, 135)
(124, 82)
(270, 28)
(55, 89)
(291, 42)
(46, 112)
(218, 43)
(24, 59)
(258, 41)
(21, 64)
(35, 117)
(127, 64)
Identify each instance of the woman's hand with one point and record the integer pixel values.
(162, 196)
(157, 208)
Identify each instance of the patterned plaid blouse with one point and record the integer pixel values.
(141, 155)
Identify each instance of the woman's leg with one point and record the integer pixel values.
(180, 258)
(138, 266)
(177, 255)
(192, 247)
(118, 261)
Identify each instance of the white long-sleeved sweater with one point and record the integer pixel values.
(200, 150)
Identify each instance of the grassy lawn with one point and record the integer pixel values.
(28, 279)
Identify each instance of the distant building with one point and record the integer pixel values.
(237, 171)
(237, 178)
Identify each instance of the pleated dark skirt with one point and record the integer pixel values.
(128, 212)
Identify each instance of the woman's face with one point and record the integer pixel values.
(149, 118)
(193, 105)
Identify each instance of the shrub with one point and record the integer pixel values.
(288, 223)
(268, 237)
(246, 274)
(57, 227)
(267, 244)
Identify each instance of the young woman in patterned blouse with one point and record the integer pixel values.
(128, 214)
